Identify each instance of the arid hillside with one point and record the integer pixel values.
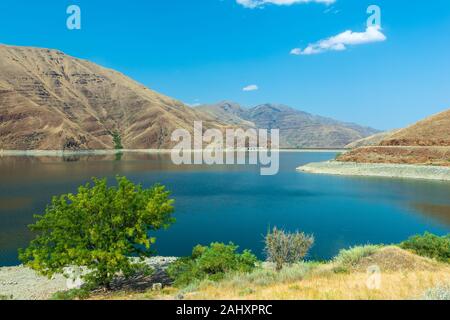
(426, 142)
(51, 101)
(433, 131)
(298, 129)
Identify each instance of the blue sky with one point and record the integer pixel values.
(204, 51)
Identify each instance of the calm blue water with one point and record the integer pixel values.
(234, 203)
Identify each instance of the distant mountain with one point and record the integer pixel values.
(298, 129)
(49, 100)
(426, 142)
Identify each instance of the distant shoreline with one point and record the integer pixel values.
(60, 153)
(403, 171)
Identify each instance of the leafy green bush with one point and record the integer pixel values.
(348, 258)
(211, 263)
(287, 248)
(98, 228)
(429, 245)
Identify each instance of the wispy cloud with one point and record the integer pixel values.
(252, 87)
(341, 41)
(258, 3)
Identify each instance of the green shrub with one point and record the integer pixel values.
(429, 245)
(211, 263)
(117, 139)
(348, 258)
(73, 294)
(98, 228)
(287, 248)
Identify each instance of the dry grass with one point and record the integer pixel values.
(394, 285)
(439, 156)
(403, 276)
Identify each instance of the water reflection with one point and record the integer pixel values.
(232, 202)
(437, 212)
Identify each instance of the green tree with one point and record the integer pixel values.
(99, 228)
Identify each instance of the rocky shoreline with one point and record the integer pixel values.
(404, 171)
(22, 283)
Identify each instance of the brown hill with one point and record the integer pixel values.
(433, 131)
(426, 142)
(51, 101)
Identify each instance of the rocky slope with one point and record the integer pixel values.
(432, 131)
(371, 140)
(51, 101)
(426, 142)
(298, 129)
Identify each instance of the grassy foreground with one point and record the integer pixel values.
(403, 275)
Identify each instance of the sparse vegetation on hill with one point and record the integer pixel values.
(404, 275)
(426, 142)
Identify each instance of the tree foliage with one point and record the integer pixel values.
(99, 228)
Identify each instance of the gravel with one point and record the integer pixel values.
(378, 170)
(22, 283)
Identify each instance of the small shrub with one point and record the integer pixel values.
(287, 248)
(429, 245)
(441, 292)
(117, 139)
(210, 263)
(338, 155)
(73, 294)
(348, 258)
(6, 297)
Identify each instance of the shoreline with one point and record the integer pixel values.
(401, 171)
(22, 283)
(61, 153)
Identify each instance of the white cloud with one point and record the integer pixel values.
(258, 3)
(342, 40)
(252, 87)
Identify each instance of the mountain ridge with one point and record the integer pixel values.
(298, 129)
(50, 100)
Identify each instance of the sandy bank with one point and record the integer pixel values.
(22, 283)
(378, 170)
